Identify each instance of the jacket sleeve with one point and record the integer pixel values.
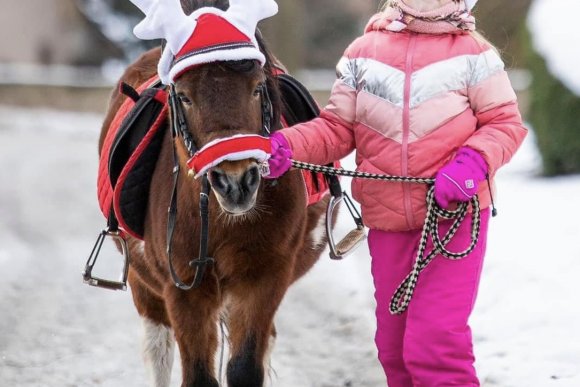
(500, 130)
(329, 137)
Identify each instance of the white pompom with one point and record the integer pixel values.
(396, 26)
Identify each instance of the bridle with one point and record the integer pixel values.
(179, 129)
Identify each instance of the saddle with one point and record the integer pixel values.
(133, 143)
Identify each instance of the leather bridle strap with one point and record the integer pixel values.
(267, 110)
(179, 122)
(179, 127)
(200, 263)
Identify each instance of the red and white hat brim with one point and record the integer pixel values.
(234, 54)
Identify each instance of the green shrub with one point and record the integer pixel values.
(555, 116)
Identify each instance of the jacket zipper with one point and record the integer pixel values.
(407, 128)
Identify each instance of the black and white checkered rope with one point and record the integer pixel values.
(361, 175)
(402, 296)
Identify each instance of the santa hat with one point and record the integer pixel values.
(207, 35)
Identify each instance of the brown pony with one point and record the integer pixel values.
(262, 235)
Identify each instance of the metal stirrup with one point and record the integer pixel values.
(91, 280)
(354, 238)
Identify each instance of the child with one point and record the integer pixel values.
(419, 94)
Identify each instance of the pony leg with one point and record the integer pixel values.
(193, 315)
(252, 331)
(158, 341)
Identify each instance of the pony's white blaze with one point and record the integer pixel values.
(318, 233)
(158, 352)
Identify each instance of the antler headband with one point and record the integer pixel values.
(470, 4)
(207, 35)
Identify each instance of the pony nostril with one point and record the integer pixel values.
(251, 178)
(219, 180)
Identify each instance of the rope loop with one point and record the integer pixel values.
(402, 296)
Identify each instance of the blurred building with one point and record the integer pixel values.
(51, 32)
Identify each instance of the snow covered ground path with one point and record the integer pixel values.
(55, 331)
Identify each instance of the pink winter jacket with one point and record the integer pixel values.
(407, 101)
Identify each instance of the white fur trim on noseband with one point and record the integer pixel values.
(257, 154)
(234, 148)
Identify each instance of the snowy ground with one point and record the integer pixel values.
(55, 331)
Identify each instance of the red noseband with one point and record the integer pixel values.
(239, 147)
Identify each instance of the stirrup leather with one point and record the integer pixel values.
(89, 279)
(354, 238)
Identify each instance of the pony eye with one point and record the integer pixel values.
(184, 100)
(258, 90)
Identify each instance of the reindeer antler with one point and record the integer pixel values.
(246, 14)
(470, 4)
(165, 19)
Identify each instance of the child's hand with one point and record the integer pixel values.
(280, 161)
(459, 179)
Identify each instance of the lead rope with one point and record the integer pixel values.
(404, 293)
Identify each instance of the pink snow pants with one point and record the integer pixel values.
(430, 344)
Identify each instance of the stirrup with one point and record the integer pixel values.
(354, 238)
(89, 279)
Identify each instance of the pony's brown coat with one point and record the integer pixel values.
(257, 257)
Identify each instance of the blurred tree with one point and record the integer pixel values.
(51, 32)
(314, 34)
(330, 31)
(116, 19)
(502, 22)
(286, 33)
(555, 116)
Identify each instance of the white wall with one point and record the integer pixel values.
(44, 31)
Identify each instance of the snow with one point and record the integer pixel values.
(553, 25)
(55, 331)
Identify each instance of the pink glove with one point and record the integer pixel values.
(459, 179)
(280, 161)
